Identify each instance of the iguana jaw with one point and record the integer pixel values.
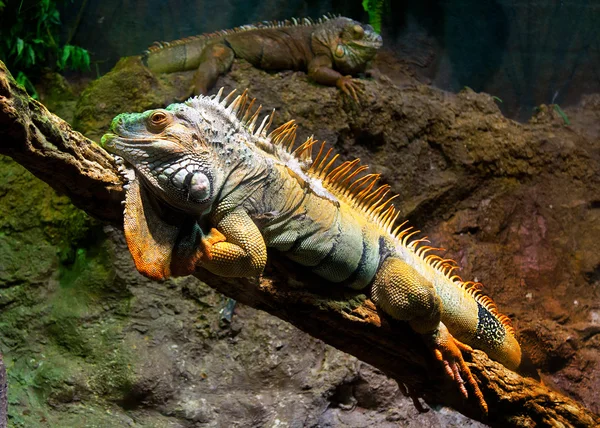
(371, 40)
(154, 230)
(167, 168)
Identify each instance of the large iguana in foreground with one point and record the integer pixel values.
(209, 189)
(331, 50)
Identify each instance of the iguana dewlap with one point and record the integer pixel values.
(330, 49)
(208, 188)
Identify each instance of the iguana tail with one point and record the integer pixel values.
(179, 55)
(494, 332)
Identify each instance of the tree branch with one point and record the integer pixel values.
(48, 147)
(79, 168)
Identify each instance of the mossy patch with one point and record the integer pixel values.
(73, 350)
(348, 302)
(62, 314)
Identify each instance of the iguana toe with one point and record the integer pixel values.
(449, 351)
(350, 87)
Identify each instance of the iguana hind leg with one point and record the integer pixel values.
(216, 59)
(400, 291)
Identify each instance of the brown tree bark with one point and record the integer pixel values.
(76, 166)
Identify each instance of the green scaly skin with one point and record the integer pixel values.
(331, 50)
(207, 189)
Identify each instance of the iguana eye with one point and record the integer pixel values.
(339, 51)
(358, 31)
(158, 121)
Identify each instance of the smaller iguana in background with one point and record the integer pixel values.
(208, 188)
(331, 50)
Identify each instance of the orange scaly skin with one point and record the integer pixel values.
(203, 166)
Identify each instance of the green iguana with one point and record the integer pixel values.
(321, 48)
(209, 189)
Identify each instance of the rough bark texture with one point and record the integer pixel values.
(73, 165)
(47, 146)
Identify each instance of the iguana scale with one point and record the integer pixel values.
(208, 188)
(330, 49)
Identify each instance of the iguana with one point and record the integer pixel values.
(209, 189)
(321, 48)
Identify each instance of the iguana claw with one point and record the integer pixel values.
(350, 87)
(448, 351)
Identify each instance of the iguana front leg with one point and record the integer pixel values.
(234, 248)
(400, 291)
(160, 249)
(320, 69)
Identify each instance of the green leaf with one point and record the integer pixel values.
(30, 55)
(86, 59)
(374, 8)
(55, 16)
(20, 44)
(562, 114)
(66, 53)
(75, 57)
(21, 78)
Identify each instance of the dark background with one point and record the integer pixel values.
(524, 52)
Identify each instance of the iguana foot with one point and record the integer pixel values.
(191, 251)
(350, 87)
(448, 351)
(207, 241)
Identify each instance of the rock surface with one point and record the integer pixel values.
(3, 392)
(88, 339)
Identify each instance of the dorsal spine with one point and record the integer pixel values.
(293, 22)
(346, 183)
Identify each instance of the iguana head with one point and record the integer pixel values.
(168, 150)
(352, 44)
